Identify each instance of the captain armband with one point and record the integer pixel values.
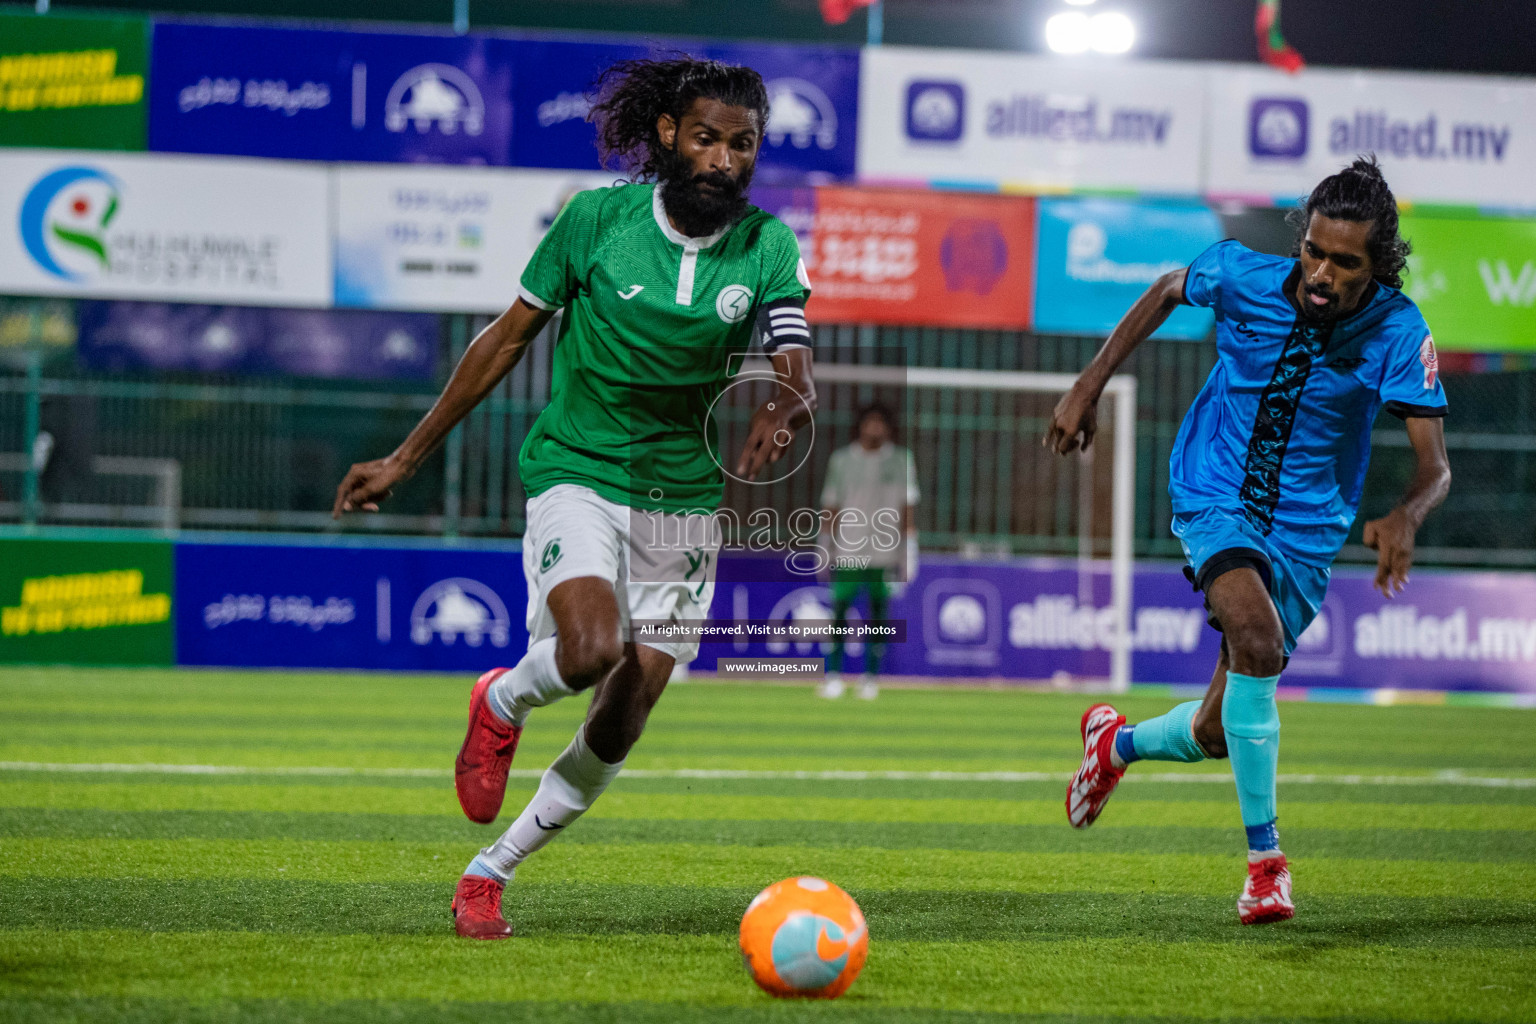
(782, 325)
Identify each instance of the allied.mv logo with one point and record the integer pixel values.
(935, 111)
(437, 94)
(734, 303)
(64, 220)
(1277, 127)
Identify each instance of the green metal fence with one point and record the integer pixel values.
(266, 454)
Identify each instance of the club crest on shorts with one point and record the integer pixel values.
(733, 303)
(550, 556)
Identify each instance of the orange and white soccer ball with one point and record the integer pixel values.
(804, 937)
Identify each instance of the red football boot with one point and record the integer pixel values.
(1097, 776)
(1267, 893)
(477, 909)
(480, 771)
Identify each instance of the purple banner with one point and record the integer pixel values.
(314, 94)
(407, 608)
(1040, 619)
(357, 344)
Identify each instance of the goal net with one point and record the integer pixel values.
(990, 492)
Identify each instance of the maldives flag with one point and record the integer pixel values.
(1273, 49)
(835, 12)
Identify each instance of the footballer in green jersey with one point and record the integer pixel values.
(652, 318)
(661, 282)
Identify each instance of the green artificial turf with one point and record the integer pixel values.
(280, 893)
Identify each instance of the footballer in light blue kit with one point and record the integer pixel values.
(1266, 476)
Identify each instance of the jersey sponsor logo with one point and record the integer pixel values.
(734, 303)
(1344, 364)
(460, 607)
(1430, 360)
(631, 292)
(550, 556)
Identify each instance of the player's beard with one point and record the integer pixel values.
(701, 211)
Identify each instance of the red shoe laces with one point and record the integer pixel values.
(482, 897)
(1266, 882)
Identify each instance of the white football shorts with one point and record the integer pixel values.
(661, 564)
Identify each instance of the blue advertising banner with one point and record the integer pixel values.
(235, 339)
(1096, 257)
(1033, 619)
(321, 95)
(814, 92)
(427, 607)
(424, 608)
(312, 94)
(552, 96)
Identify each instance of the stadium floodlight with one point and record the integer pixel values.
(1077, 32)
(1112, 32)
(1069, 32)
(1079, 3)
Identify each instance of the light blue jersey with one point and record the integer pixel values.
(1281, 432)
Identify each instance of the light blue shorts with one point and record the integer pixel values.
(1217, 540)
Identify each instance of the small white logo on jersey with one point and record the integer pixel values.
(733, 303)
(634, 289)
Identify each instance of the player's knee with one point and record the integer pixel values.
(585, 659)
(1211, 737)
(1256, 648)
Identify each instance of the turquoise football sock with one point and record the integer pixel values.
(1169, 737)
(1251, 721)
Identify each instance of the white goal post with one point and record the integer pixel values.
(1121, 391)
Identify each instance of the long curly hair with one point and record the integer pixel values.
(1359, 192)
(633, 94)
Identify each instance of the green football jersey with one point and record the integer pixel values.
(652, 319)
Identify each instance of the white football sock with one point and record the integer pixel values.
(533, 683)
(568, 788)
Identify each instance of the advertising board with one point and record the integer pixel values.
(313, 94)
(351, 344)
(72, 82)
(419, 607)
(1097, 256)
(449, 239)
(136, 226)
(1474, 281)
(86, 602)
(1440, 138)
(1007, 119)
(912, 257)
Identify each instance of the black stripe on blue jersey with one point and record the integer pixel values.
(1272, 425)
(1407, 410)
(782, 323)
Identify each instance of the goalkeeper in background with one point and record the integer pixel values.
(870, 535)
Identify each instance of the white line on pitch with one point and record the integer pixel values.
(1444, 778)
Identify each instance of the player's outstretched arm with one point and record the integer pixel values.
(774, 423)
(1392, 536)
(1076, 417)
(489, 358)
